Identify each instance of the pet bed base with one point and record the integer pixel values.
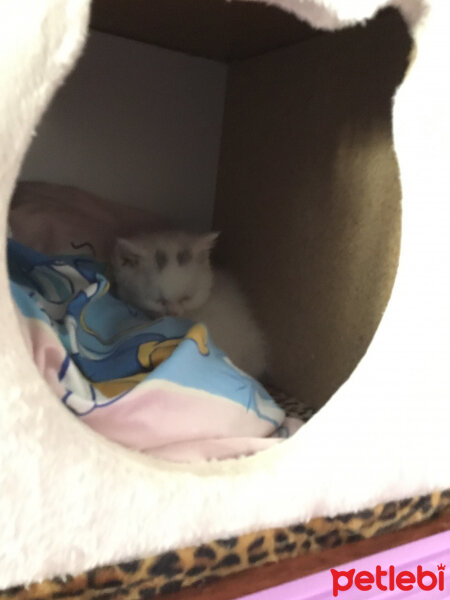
(199, 565)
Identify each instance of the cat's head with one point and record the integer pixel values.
(165, 272)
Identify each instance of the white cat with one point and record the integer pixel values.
(170, 273)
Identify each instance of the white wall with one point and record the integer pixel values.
(136, 124)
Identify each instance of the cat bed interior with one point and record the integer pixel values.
(236, 142)
(298, 144)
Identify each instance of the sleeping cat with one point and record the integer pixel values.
(170, 273)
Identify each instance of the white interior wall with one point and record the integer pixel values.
(136, 124)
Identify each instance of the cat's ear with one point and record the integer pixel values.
(205, 243)
(126, 253)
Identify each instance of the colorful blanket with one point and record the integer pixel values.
(158, 386)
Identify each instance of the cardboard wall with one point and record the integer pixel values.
(308, 197)
(216, 29)
(136, 124)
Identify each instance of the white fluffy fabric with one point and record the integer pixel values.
(71, 501)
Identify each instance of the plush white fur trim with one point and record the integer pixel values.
(70, 500)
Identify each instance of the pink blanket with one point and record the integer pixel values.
(59, 219)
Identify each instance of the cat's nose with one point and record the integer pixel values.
(174, 310)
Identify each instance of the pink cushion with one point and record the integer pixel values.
(59, 219)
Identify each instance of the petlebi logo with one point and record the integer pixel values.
(388, 578)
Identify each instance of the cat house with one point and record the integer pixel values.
(316, 137)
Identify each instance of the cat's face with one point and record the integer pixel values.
(168, 273)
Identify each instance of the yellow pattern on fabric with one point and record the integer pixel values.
(150, 355)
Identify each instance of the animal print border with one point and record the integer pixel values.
(144, 579)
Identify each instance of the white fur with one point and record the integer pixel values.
(232, 326)
(192, 289)
(170, 288)
(70, 500)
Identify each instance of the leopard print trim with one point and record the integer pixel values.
(292, 406)
(143, 579)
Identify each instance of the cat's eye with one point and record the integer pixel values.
(162, 301)
(129, 261)
(185, 299)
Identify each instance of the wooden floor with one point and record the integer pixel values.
(261, 578)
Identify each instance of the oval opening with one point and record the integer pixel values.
(238, 117)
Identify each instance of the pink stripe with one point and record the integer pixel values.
(428, 552)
